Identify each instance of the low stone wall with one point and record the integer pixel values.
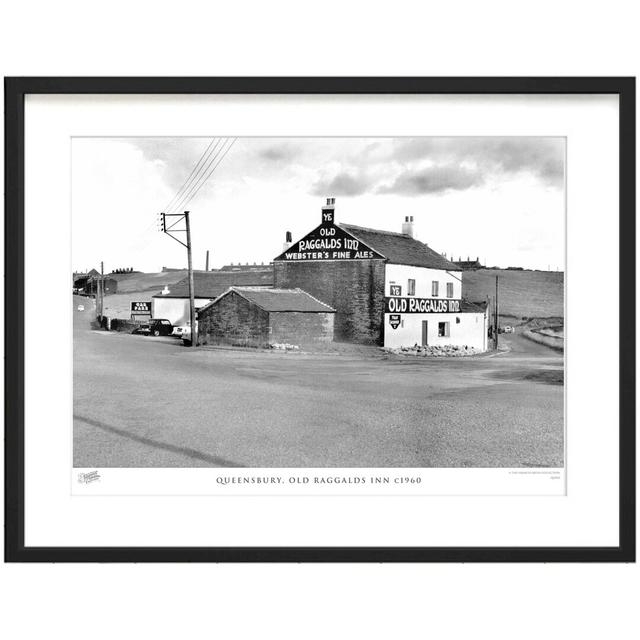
(444, 351)
(553, 342)
(118, 324)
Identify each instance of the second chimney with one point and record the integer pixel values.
(407, 226)
(287, 241)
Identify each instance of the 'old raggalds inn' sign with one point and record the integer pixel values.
(329, 242)
(421, 305)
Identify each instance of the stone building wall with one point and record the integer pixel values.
(233, 320)
(300, 328)
(354, 288)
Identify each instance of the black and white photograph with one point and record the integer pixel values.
(357, 317)
(318, 302)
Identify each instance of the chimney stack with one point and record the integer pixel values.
(407, 226)
(287, 241)
(328, 211)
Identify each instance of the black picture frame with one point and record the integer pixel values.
(15, 91)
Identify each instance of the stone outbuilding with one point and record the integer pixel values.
(259, 317)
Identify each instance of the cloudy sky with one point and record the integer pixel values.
(500, 199)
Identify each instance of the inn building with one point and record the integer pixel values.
(386, 288)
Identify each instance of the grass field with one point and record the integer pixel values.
(155, 282)
(521, 294)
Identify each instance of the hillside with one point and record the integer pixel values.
(521, 294)
(134, 282)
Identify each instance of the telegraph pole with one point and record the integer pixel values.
(495, 330)
(101, 290)
(170, 230)
(206, 264)
(192, 302)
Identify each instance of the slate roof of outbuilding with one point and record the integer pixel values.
(211, 284)
(473, 307)
(400, 248)
(279, 300)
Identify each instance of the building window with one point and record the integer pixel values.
(411, 288)
(434, 288)
(449, 289)
(443, 329)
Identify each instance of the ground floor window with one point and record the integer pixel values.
(443, 329)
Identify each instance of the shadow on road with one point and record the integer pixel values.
(185, 451)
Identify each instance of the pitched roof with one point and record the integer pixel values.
(211, 284)
(473, 307)
(400, 248)
(274, 300)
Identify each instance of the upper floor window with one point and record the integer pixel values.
(449, 289)
(434, 288)
(411, 287)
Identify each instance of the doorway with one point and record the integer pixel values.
(425, 333)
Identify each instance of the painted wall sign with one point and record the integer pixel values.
(328, 242)
(395, 290)
(394, 320)
(327, 215)
(421, 305)
(141, 307)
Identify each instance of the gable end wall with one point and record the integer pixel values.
(354, 288)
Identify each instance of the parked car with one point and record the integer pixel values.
(186, 334)
(180, 330)
(507, 329)
(155, 327)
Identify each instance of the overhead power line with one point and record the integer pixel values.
(191, 177)
(195, 184)
(208, 172)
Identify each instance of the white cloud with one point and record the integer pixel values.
(475, 196)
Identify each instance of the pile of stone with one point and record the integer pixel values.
(285, 346)
(455, 351)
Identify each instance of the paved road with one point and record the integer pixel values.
(141, 401)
